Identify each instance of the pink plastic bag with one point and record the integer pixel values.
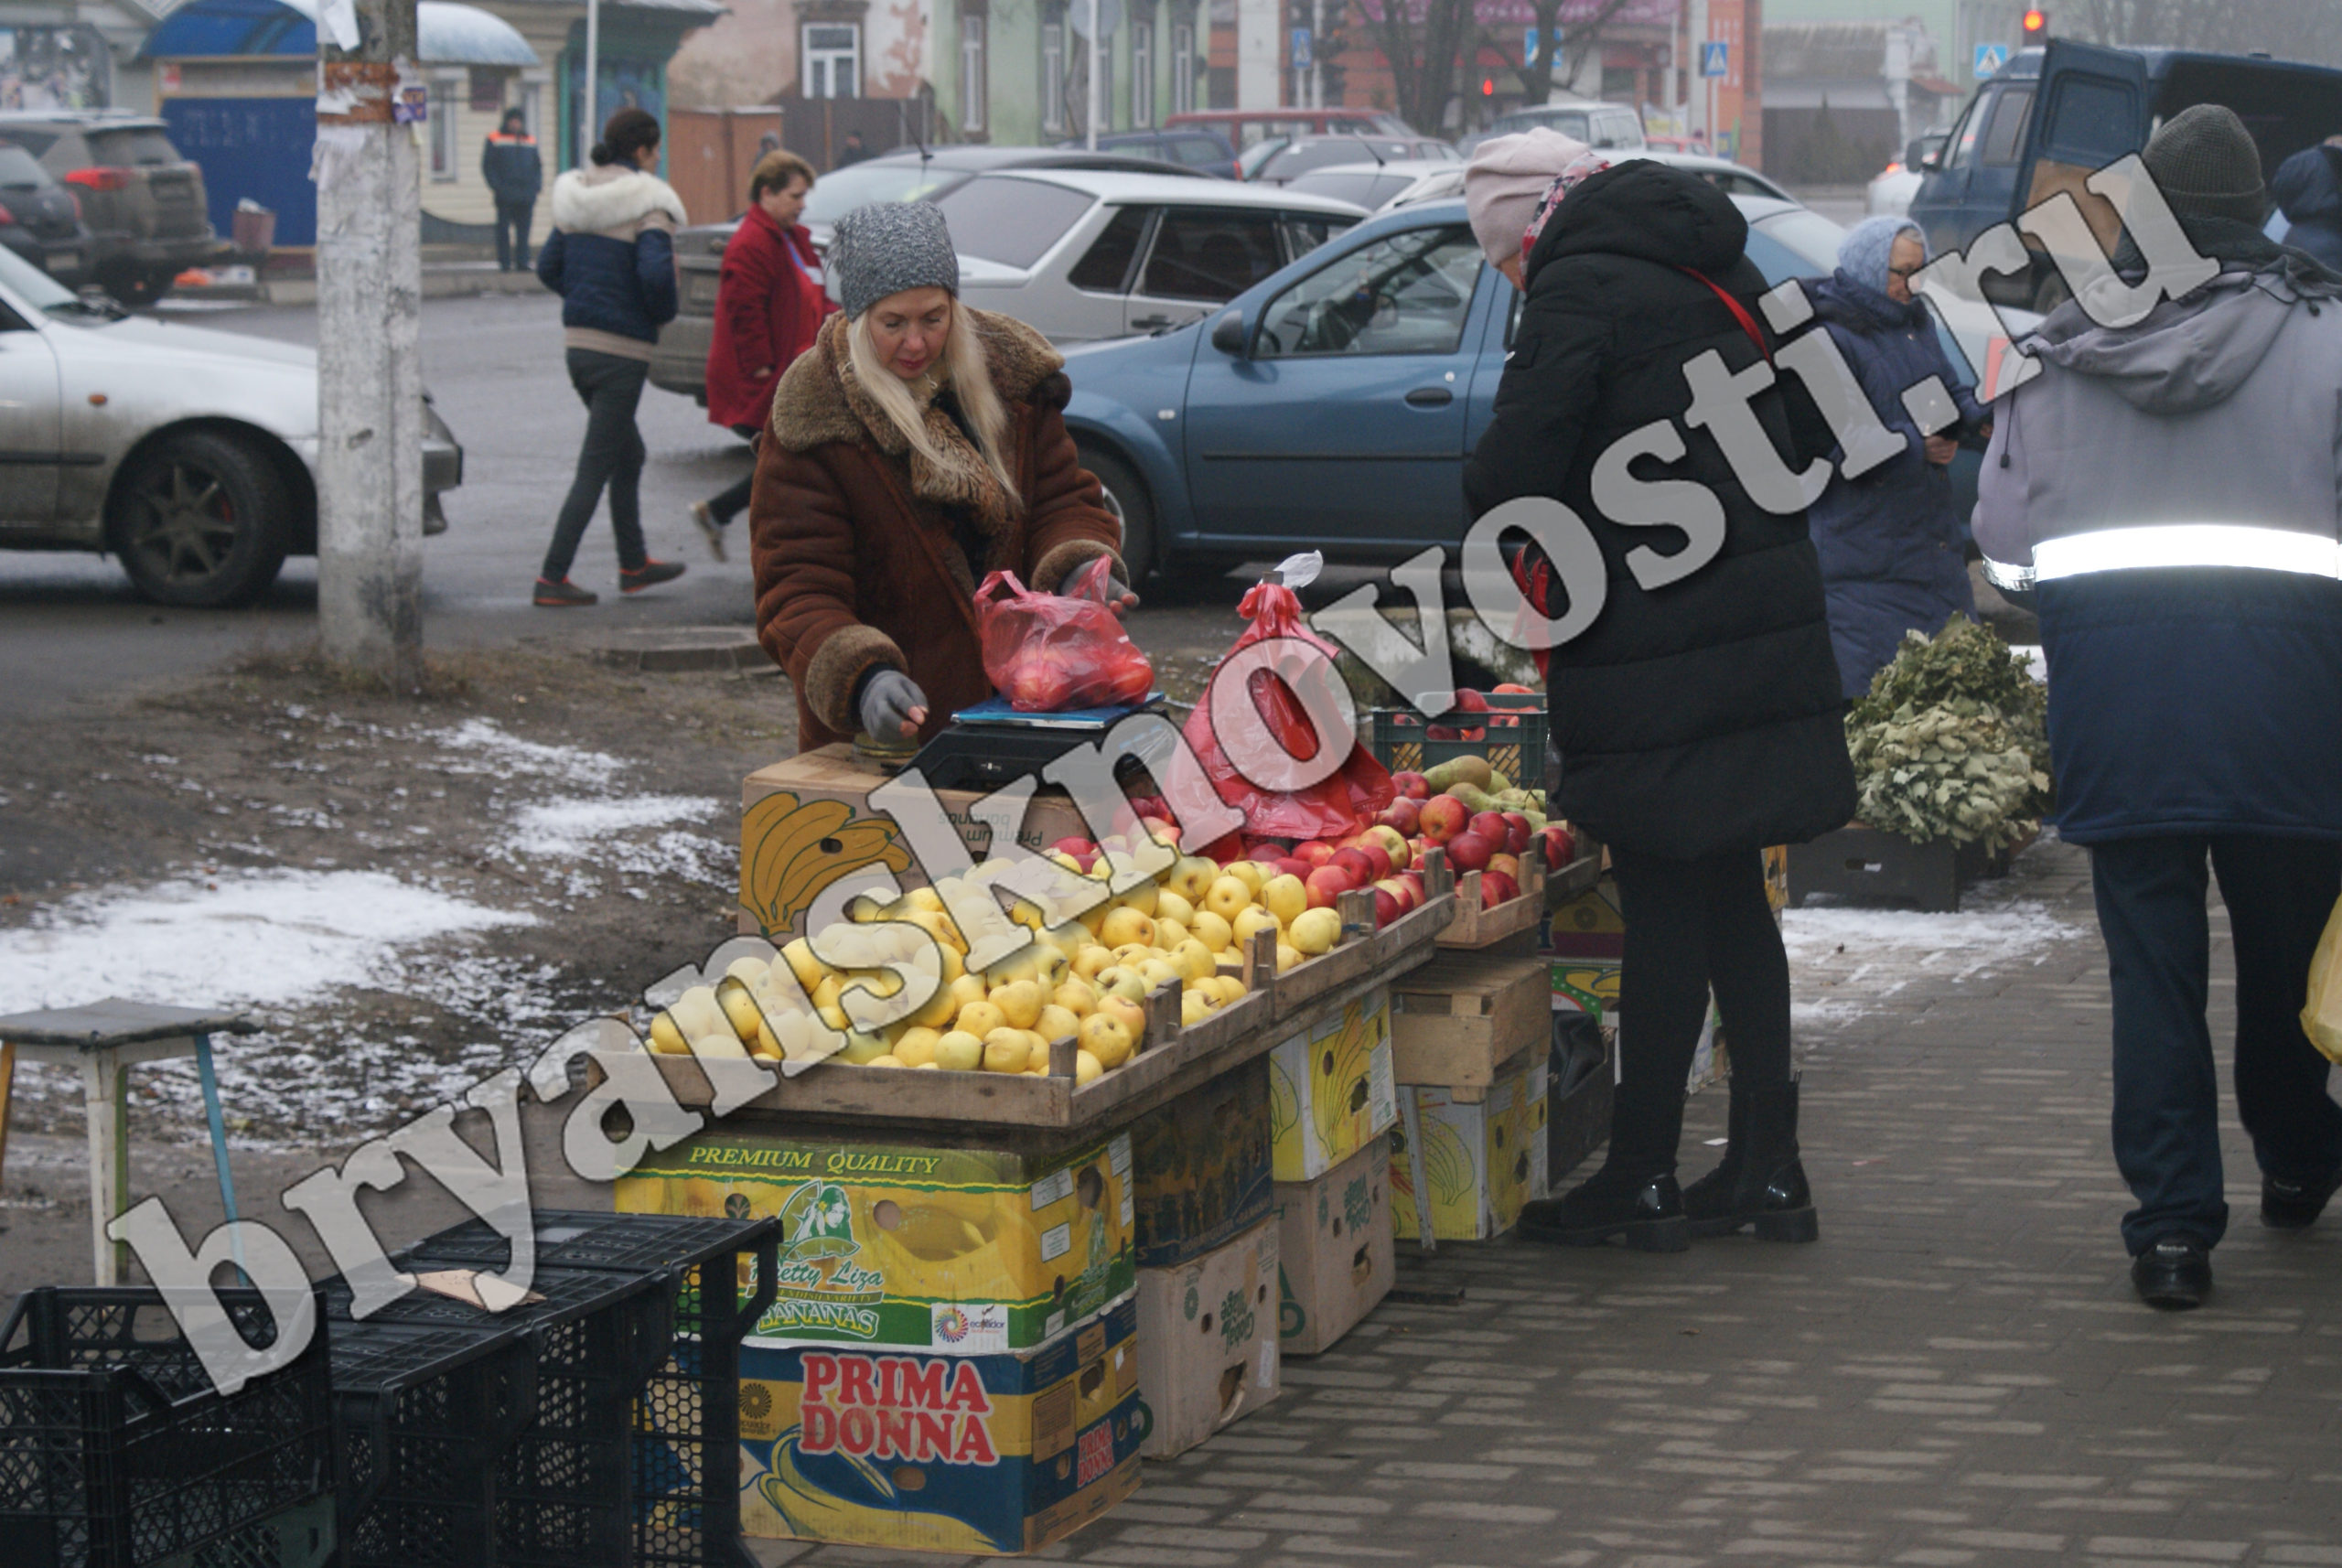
(1051, 653)
(1342, 803)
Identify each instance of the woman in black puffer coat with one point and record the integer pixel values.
(1698, 721)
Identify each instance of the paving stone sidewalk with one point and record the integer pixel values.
(1957, 1373)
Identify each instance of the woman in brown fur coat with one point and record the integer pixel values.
(919, 444)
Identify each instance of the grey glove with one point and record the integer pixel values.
(1119, 596)
(892, 705)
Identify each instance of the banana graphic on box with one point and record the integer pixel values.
(790, 852)
(813, 1514)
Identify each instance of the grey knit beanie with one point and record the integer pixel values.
(888, 247)
(2204, 162)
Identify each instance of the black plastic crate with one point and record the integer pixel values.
(117, 1452)
(1513, 739)
(685, 1417)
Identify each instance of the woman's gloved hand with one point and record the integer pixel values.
(1119, 596)
(891, 704)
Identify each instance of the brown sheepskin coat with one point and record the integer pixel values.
(855, 563)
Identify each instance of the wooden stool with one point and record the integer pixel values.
(105, 1039)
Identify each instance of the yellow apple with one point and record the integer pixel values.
(1169, 934)
(958, 1051)
(1019, 1001)
(918, 1047)
(1124, 981)
(809, 970)
(1069, 936)
(1228, 897)
(1252, 874)
(966, 989)
(1161, 971)
(1287, 956)
(1170, 906)
(1076, 996)
(1254, 919)
(937, 1010)
(1231, 988)
(667, 1040)
(1285, 896)
(861, 1048)
(980, 1018)
(1126, 924)
(1089, 961)
(1194, 1008)
(1215, 933)
(1055, 1022)
(1106, 1039)
(1189, 876)
(1194, 959)
(1316, 932)
(884, 1061)
(1127, 1013)
(1086, 1069)
(1007, 1050)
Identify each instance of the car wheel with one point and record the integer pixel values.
(1127, 498)
(200, 520)
(134, 284)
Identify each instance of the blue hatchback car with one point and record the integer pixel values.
(1331, 406)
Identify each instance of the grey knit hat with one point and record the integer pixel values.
(888, 247)
(2206, 167)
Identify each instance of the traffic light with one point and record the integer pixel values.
(2037, 26)
(1488, 87)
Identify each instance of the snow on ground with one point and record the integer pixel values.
(1844, 963)
(485, 746)
(258, 937)
(573, 829)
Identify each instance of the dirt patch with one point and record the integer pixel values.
(407, 892)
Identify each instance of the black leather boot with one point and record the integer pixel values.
(1760, 1182)
(1646, 1213)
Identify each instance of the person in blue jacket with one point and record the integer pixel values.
(611, 257)
(514, 174)
(2308, 188)
(1892, 556)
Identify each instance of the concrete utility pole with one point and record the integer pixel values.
(1096, 43)
(370, 372)
(591, 131)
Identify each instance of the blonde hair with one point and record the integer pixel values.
(965, 368)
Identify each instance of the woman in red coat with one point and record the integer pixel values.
(768, 305)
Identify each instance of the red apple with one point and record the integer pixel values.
(1413, 881)
(1264, 850)
(1413, 785)
(1444, 817)
(1387, 908)
(1512, 689)
(1317, 851)
(1444, 732)
(1468, 852)
(1227, 850)
(1289, 866)
(1075, 846)
(1561, 845)
(1508, 863)
(1470, 702)
(1162, 829)
(1327, 884)
(1397, 889)
(1374, 851)
(1403, 813)
(1516, 837)
(1490, 826)
(1495, 888)
(1354, 864)
(1415, 847)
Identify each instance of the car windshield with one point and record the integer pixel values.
(1568, 121)
(1809, 234)
(43, 292)
(19, 170)
(1014, 221)
(143, 147)
(1366, 187)
(1325, 155)
(835, 195)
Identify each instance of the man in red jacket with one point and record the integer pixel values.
(769, 303)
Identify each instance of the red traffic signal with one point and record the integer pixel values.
(2037, 25)
(1488, 87)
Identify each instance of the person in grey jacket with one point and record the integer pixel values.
(2171, 489)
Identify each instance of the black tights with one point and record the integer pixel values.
(1691, 925)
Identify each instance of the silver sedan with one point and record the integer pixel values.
(189, 454)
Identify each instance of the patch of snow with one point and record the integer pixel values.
(506, 755)
(260, 938)
(573, 829)
(1902, 942)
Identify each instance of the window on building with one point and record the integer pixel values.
(1102, 62)
(1143, 76)
(532, 97)
(1183, 67)
(445, 95)
(1053, 76)
(832, 54)
(974, 79)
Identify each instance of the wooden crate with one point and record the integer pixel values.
(1459, 1019)
(1475, 927)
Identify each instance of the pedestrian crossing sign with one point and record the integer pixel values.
(1989, 58)
(1714, 54)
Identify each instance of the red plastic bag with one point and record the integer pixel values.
(1050, 653)
(1343, 802)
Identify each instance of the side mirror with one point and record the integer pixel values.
(1228, 334)
(1932, 160)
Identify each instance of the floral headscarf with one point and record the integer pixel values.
(1582, 168)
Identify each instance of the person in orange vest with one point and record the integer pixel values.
(514, 174)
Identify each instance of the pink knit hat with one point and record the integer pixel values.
(1506, 180)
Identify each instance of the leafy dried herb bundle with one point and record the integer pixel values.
(1953, 740)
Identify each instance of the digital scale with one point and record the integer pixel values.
(991, 744)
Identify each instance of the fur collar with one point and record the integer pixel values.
(820, 401)
(594, 201)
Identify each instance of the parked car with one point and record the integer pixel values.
(679, 362)
(1243, 127)
(1375, 186)
(1199, 148)
(2002, 156)
(1331, 405)
(144, 203)
(1732, 178)
(190, 454)
(39, 220)
(1082, 255)
(1590, 119)
(1890, 190)
(1298, 156)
